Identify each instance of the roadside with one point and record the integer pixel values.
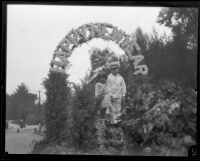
(21, 142)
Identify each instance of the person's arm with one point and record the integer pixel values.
(123, 87)
(108, 83)
(96, 90)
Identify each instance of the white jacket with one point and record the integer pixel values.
(116, 86)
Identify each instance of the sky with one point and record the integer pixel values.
(34, 31)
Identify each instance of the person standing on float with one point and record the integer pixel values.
(117, 91)
(103, 102)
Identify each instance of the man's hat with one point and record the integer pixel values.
(114, 65)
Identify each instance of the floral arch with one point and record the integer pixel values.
(89, 31)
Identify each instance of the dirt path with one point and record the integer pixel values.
(20, 143)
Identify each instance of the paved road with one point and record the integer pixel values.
(20, 143)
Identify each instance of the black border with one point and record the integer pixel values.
(5, 156)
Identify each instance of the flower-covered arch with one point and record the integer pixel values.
(90, 31)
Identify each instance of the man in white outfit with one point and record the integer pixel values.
(117, 91)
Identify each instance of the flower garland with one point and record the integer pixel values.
(118, 35)
(142, 69)
(61, 53)
(57, 70)
(125, 41)
(137, 59)
(139, 68)
(72, 36)
(59, 63)
(82, 32)
(100, 30)
(64, 44)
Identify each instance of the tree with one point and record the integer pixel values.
(182, 21)
(101, 57)
(22, 103)
(8, 107)
(142, 40)
(31, 119)
(184, 25)
(57, 93)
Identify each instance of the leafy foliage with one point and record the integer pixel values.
(100, 58)
(160, 115)
(169, 58)
(182, 21)
(183, 48)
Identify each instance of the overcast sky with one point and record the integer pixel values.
(34, 31)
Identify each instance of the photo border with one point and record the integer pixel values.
(6, 156)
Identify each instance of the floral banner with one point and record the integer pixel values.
(105, 31)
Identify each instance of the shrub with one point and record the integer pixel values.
(84, 114)
(57, 93)
(163, 115)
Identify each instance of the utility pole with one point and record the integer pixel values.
(40, 111)
(39, 98)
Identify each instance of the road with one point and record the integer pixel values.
(20, 143)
